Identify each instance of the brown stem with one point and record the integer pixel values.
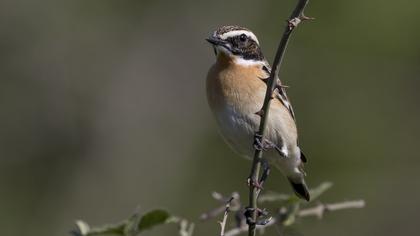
(293, 21)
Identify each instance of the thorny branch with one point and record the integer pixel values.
(286, 215)
(290, 209)
(296, 17)
(314, 211)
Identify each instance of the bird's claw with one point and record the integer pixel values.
(249, 211)
(263, 144)
(258, 144)
(264, 221)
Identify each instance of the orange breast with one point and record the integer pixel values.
(235, 93)
(232, 84)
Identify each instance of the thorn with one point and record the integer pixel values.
(293, 22)
(284, 86)
(260, 113)
(303, 18)
(273, 95)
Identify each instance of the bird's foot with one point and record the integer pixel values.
(263, 144)
(249, 213)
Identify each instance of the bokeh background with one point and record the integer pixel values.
(103, 109)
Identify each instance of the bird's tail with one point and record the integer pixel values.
(300, 188)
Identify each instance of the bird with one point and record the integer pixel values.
(236, 85)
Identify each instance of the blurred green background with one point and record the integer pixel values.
(103, 109)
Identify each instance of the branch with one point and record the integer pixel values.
(225, 215)
(319, 210)
(234, 204)
(313, 211)
(185, 228)
(295, 18)
(244, 228)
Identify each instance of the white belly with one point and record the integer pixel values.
(238, 129)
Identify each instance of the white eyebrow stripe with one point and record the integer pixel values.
(239, 32)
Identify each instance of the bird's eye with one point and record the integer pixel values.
(242, 37)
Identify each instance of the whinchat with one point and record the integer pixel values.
(236, 87)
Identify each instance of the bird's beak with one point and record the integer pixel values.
(215, 41)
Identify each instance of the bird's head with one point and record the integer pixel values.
(237, 43)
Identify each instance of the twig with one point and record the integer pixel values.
(234, 205)
(244, 228)
(319, 210)
(313, 211)
(185, 228)
(295, 18)
(223, 222)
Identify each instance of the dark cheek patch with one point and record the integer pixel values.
(252, 52)
(248, 50)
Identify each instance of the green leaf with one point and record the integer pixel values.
(153, 218)
(130, 227)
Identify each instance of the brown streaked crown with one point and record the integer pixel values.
(229, 28)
